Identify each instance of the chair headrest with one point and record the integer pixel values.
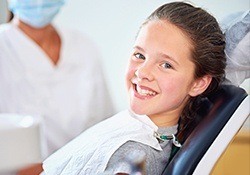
(219, 107)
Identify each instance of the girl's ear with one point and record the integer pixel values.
(200, 85)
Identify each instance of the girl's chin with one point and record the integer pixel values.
(137, 111)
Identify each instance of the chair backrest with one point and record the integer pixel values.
(228, 108)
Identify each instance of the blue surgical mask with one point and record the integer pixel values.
(36, 13)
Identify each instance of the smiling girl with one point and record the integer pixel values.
(177, 58)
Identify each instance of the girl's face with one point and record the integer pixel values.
(160, 75)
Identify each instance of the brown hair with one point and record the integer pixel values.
(208, 46)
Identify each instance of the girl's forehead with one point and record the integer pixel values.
(164, 28)
(163, 35)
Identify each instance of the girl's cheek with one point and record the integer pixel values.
(131, 69)
(130, 73)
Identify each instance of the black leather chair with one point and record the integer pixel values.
(220, 118)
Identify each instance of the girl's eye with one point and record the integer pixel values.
(139, 56)
(166, 66)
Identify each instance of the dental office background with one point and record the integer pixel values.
(113, 24)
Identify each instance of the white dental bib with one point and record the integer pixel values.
(90, 152)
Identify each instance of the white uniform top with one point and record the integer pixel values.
(70, 96)
(90, 152)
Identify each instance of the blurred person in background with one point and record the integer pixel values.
(52, 72)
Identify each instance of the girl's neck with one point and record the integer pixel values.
(162, 121)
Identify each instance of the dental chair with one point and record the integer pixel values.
(220, 118)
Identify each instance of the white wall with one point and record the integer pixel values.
(113, 24)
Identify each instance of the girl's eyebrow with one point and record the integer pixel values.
(139, 48)
(162, 55)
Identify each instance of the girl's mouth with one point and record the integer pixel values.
(143, 92)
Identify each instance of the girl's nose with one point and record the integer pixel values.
(144, 72)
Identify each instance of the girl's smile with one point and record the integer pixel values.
(142, 92)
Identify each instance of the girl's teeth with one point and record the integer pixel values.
(144, 92)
